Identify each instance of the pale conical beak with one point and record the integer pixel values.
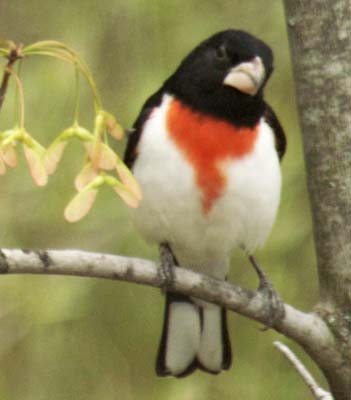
(246, 77)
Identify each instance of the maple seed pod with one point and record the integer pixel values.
(53, 156)
(36, 166)
(113, 127)
(126, 195)
(9, 155)
(85, 176)
(80, 205)
(129, 180)
(101, 155)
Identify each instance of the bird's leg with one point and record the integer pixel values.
(167, 263)
(276, 311)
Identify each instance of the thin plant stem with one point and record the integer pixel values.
(20, 96)
(77, 96)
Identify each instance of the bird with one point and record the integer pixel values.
(206, 150)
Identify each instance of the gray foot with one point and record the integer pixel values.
(167, 264)
(276, 310)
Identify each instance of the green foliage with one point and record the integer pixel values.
(71, 338)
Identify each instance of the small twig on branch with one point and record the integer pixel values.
(14, 55)
(317, 391)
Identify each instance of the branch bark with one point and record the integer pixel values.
(307, 329)
(320, 36)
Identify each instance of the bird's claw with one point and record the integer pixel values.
(167, 264)
(275, 309)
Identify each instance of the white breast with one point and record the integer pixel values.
(171, 209)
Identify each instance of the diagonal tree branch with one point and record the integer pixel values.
(14, 55)
(307, 329)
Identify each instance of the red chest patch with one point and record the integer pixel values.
(206, 142)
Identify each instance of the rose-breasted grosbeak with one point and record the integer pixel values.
(205, 150)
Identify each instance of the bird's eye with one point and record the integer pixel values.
(221, 53)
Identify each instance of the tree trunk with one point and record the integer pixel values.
(320, 37)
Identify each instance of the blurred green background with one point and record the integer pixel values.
(74, 338)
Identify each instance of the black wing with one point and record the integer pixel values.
(280, 138)
(131, 152)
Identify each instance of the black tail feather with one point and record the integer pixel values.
(161, 368)
(227, 348)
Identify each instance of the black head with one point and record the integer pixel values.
(225, 76)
